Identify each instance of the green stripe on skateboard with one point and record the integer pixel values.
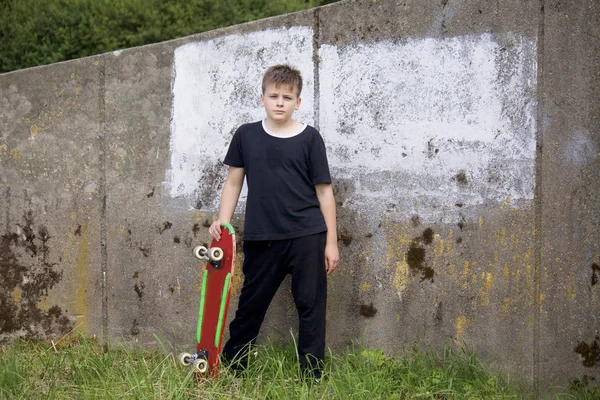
(201, 309)
(229, 227)
(222, 310)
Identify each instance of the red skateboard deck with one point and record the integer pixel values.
(214, 302)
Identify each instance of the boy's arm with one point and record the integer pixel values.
(327, 204)
(229, 198)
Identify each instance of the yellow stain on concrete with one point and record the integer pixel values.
(397, 240)
(17, 294)
(480, 221)
(460, 325)
(527, 259)
(506, 306)
(43, 304)
(34, 130)
(450, 241)
(514, 239)
(438, 251)
(466, 270)
(571, 293)
(366, 287)
(196, 217)
(14, 153)
(401, 276)
(488, 281)
(500, 236)
(506, 272)
(80, 306)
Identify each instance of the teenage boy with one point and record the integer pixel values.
(290, 222)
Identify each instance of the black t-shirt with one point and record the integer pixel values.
(281, 174)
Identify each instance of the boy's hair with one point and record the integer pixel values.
(282, 74)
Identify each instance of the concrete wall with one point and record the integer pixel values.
(463, 138)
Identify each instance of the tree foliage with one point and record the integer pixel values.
(36, 32)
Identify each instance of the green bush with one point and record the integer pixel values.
(37, 32)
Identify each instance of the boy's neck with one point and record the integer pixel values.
(283, 127)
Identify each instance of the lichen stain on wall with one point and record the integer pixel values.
(460, 326)
(487, 266)
(27, 276)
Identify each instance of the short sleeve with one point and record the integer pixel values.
(318, 165)
(234, 156)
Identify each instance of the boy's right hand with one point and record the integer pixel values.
(215, 230)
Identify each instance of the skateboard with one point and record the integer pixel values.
(214, 302)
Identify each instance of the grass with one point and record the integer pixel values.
(82, 368)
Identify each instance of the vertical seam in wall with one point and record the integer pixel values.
(316, 39)
(103, 152)
(538, 199)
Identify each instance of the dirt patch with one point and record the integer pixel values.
(368, 311)
(416, 255)
(590, 353)
(595, 272)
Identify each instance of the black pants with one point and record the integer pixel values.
(266, 263)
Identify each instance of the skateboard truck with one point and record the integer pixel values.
(199, 360)
(214, 255)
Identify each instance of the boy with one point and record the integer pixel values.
(290, 223)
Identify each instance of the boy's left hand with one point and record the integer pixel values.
(332, 257)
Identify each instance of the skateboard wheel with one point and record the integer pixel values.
(215, 254)
(200, 252)
(183, 359)
(201, 366)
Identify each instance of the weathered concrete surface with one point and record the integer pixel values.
(50, 152)
(569, 193)
(463, 142)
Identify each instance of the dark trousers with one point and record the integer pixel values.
(266, 263)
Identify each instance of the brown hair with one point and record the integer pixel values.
(282, 74)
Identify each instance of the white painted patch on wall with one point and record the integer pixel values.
(423, 125)
(216, 88)
(416, 127)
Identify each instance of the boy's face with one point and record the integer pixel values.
(280, 102)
